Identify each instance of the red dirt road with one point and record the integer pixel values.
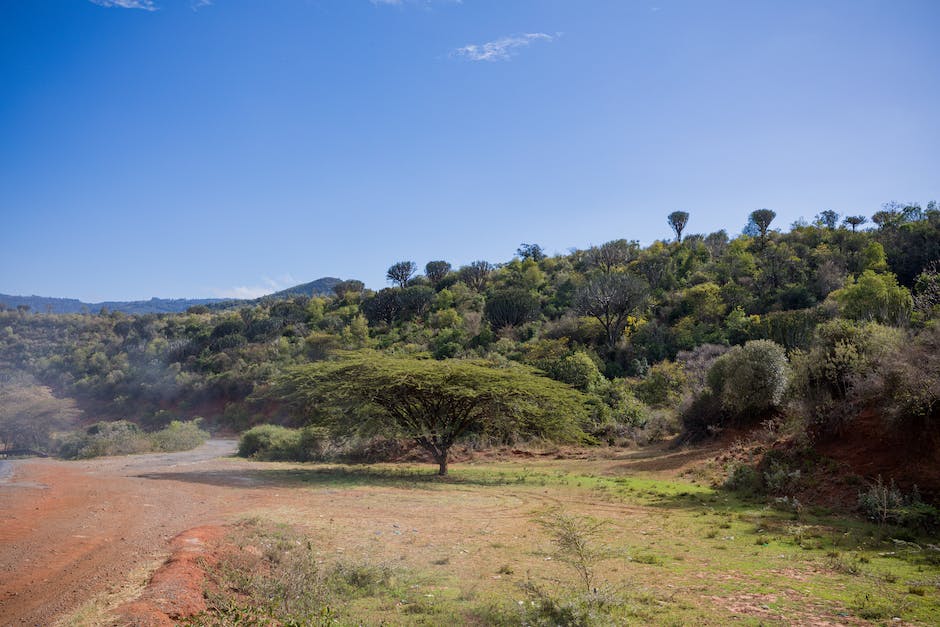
(72, 530)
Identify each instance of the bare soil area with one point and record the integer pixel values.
(70, 531)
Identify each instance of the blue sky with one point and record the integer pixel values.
(184, 148)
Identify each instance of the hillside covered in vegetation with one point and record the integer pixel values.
(826, 326)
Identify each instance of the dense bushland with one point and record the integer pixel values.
(704, 333)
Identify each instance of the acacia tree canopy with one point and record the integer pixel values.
(761, 218)
(855, 221)
(401, 272)
(678, 220)
(435, 403)
(436, 271)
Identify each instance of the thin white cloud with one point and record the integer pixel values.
(146, 5)
(243, 292)
(269, 286)
(198, 4)
(503, 48)
(398, 3)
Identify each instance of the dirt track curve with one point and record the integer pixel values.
(73, 530)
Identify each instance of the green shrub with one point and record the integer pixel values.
(352, 579)
(662, 385)
(585, 599)
(120, 437)
(743, 478)
(123, 437)
(625, 408)
(834, 379)
(281, 582)
(447, 343)
(749, 381)
(703, 417)
(660, 424)
(780, 477)
(845, 351)
(370, 450)
(272, 574)
(875, 297)
(179, 436)
(906, 387)
(276, 443)
(269, 442)
(885, 503)
(311, 444)
(577, 370)
(619, 417)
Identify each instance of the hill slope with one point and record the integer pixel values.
(320, 287)
(45, 304)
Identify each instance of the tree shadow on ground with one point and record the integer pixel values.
(335, 477)
(658, 461)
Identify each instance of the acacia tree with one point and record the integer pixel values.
(436, 271)
(761, 218)
(435, 403)
(677, 220)
(401, 272)
(611, 299)
(855, 221)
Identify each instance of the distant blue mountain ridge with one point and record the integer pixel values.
(45, 304)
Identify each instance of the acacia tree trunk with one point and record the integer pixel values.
(438, 450)
(441, 460)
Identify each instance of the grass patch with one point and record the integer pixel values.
(485, 545)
